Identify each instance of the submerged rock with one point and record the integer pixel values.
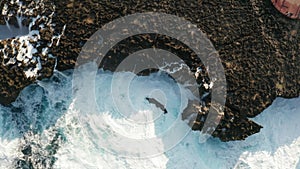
(259, 48)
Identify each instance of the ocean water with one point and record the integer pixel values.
(47, 128)
(10, 31)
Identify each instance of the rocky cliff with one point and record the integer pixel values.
(259, 48)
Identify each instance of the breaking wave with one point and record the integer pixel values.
(42, 130)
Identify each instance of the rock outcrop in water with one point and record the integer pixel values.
(259, 48)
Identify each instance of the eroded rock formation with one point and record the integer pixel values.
(258, 46)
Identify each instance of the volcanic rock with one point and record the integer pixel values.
(258, 46)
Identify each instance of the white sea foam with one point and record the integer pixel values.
(8, 142)
(276, 146)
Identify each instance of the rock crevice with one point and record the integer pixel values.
(259, 48)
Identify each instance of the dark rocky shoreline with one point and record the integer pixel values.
(259, 48)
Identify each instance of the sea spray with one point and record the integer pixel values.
(60, 141)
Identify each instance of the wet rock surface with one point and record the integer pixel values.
(258, 46)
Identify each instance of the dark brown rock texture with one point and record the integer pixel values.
(258, 46)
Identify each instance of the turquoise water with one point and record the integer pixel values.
(46, 118)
